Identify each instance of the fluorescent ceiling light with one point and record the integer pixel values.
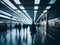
(5, 13)
(52, 1)
(3, 16)
(14, 16)
(37, 1)
(35, 7)
(48, 7)
(21, 7)
(10, 4)
(13, 19)
(19, 12)
(45, 11)
(35, 12)
(17, 1)
(24, 11)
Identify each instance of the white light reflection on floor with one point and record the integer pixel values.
(43, 33)
(29, 37)
(25, 33)
(13, 37)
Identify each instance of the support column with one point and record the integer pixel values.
(46, 22)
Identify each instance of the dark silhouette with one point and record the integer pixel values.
(33, 32)
(33, 29)
(3, 27)
(19, 27)
(24, 26)
(16, 26)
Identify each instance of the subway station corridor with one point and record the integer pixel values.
(29, 22)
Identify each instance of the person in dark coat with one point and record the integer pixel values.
(24, 26)
(16, 26)
(33, 31)
(19, 27)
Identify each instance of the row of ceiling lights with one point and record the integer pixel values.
(46, 9)
(36, 8)
(21, 7)
(7, 15)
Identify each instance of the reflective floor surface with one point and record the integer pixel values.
(23, 37)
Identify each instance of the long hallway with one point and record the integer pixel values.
(29, 22)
